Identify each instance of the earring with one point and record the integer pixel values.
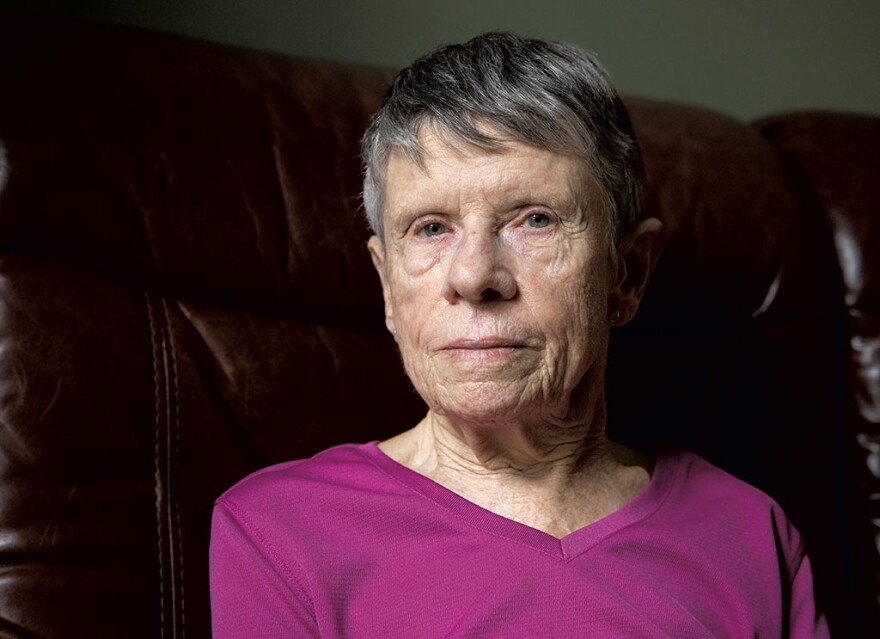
(614, 316)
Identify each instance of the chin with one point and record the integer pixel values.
(487, 402)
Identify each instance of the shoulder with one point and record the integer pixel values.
(721, 545)
(708, 497)
(699, 479)
(333, 472)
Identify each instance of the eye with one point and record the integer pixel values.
(432, 229)
(538, 221)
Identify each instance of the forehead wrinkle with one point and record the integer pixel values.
(500, 188)
(442, 161)
(522, 179)
(406, 197)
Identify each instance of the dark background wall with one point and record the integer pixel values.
(747, 58)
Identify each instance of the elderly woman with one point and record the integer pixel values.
(504, 186)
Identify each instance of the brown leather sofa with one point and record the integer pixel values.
(185, 297)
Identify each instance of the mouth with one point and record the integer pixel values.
(483, 349)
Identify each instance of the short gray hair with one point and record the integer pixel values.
(551, 95)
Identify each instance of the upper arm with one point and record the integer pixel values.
(253, 591)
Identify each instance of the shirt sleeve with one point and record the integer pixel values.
(803, 618)
(806, 621)
(254, 593)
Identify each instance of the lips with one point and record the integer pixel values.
(482, 344)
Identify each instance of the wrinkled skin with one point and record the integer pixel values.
(499, 279)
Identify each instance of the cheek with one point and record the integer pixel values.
(418, 262)
(569, 286)
(414, 330)
(410, 303)
(570, 308)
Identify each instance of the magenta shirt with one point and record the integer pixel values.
(350, 544)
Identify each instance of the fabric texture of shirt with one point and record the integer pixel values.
(351, 544)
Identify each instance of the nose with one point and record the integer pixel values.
(478, 271)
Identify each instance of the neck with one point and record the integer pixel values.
(528, 451)
(556, 477)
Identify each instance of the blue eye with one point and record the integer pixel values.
(432, 229)
(538, 220)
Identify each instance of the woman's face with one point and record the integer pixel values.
(496, 275)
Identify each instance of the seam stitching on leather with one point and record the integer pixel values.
(174, 423)
(156, 460)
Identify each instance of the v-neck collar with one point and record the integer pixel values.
(646, 501)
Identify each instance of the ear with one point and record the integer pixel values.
(377, 254)
(636, 258)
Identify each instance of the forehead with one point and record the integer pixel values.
(449, 165)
